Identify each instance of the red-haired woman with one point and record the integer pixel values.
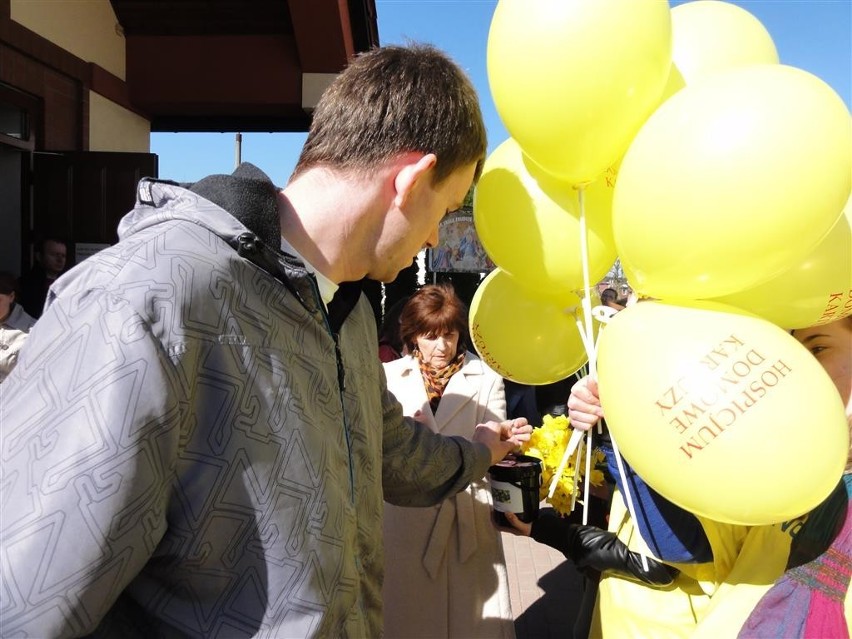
(445, 573)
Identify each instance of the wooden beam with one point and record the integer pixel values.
(323, 34)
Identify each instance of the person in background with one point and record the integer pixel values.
(15, 325)
(198, 436)
(446, 573)
(521, 401)
(390, 343)
(51, 257)
(609, 297)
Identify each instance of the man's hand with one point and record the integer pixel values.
(584, 404)
(502, 438)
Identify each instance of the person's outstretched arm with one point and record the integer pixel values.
(592, 548)
(421, 467)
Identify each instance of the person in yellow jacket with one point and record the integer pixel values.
(743, 589)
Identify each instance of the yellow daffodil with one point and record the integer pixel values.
(548, 443)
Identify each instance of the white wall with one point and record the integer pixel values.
(114, 128)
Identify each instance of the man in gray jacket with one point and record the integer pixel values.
(198, 437)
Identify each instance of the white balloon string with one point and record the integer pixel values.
(576, 436)
(627, 497)
(587, 287)
(587, 345)
(587, 334)
(588, 477)
(597, 339)
(576, 476)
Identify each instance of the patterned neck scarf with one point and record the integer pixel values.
(436, 379)
(808, 599)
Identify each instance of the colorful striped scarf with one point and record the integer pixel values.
(808, 599)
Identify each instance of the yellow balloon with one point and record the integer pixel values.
(709, 36)
(674, 84)
(816, 291)
(522, 337)
(573, 80)
(529, 223)
(732, 181)
(721, 412)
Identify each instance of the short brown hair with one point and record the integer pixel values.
(8, 283)
(433, 310)
(609, 295)
(395, 100)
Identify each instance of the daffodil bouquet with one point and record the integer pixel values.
(548, 443)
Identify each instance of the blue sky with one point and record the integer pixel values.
(814, 35)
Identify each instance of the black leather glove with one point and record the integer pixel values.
(592, 548)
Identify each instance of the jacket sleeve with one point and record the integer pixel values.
(672, 533)
(420, 467)
(90, 430)
(551, 530)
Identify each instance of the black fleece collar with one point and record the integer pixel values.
(250, 196)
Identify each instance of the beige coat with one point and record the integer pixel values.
(445, 574)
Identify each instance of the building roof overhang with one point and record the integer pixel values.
(238, 65)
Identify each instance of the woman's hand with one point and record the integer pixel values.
(518, 527)
(584, 404)
(519, 430)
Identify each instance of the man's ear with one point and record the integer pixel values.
(411, 174)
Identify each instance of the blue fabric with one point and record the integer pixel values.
(672, 533)
(520, 402)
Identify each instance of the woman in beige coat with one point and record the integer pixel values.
(445, 573)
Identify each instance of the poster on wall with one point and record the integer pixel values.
(82, 250)
(459, 250)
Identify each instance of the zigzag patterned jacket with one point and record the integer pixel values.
(193, 447)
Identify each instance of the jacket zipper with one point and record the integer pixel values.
(248, 242)
(341, 387)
